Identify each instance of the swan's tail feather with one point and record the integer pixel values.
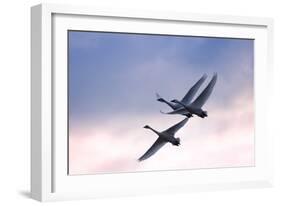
(178, 141)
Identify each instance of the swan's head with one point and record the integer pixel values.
(146, 127)
(175, 101)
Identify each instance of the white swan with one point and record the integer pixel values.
(186, 99)
(163, 137)
(196, 106)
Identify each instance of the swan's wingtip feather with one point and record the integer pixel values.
(162, 112)
(140, 159)
(157, 94)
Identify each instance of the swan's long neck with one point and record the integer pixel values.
(182, 104)
(168, 103)
(153, 130)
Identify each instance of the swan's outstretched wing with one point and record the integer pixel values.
(172, 130)
(202, 98)
(153, 149)
(192, 91)
(158, 96)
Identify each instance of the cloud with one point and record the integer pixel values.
(224, 139)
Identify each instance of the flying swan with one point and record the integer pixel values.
(196, 106)
(163, 137)
(186, 99)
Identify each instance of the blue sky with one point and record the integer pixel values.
(113, 73)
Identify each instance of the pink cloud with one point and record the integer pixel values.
(224, 139)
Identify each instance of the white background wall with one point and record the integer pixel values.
(15, 95)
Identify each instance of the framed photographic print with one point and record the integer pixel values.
(137, 102)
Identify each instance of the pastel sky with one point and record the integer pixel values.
(113, 78)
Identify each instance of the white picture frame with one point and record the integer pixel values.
(49, 179)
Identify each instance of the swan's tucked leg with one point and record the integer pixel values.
(187, 114)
